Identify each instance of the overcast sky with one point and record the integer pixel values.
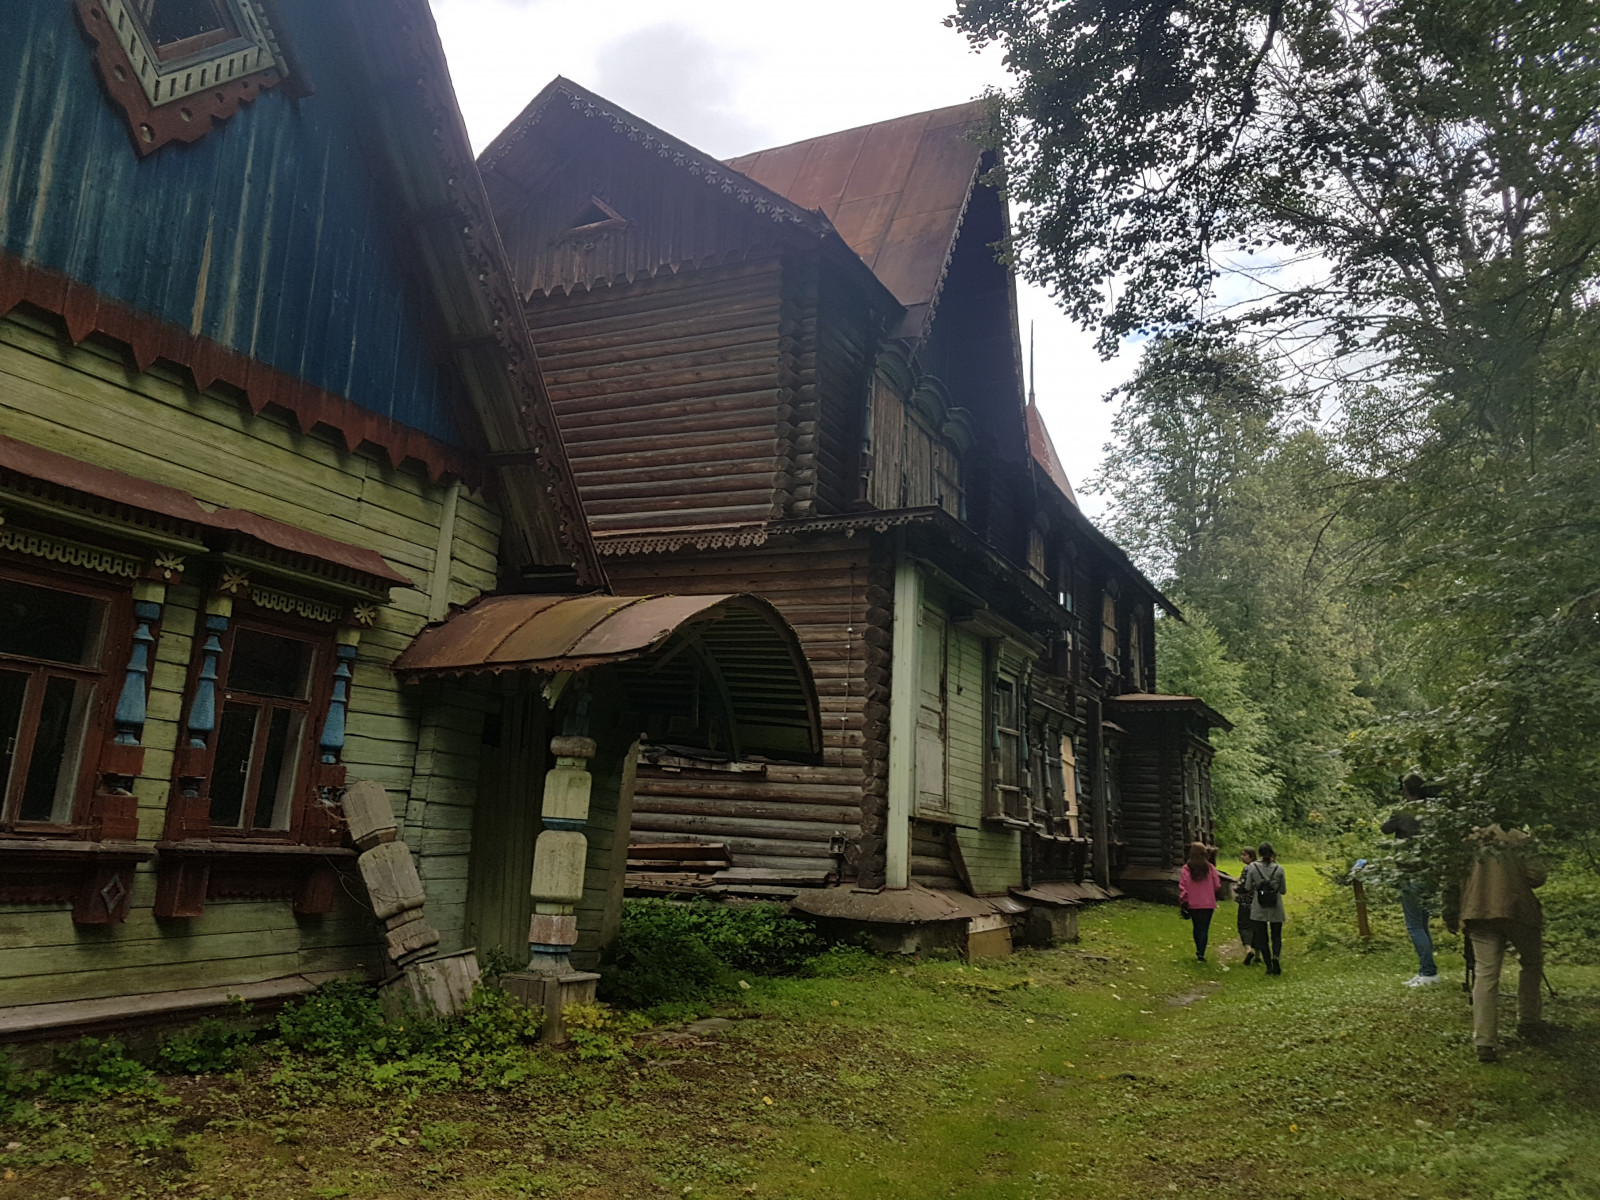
(731, 76)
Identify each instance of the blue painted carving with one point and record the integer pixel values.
(269, 235)
(203, 712)
(332, 740)
(130, 714)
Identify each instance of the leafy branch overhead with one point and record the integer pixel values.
(1429, 163)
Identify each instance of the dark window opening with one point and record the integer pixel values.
(186, 26)
(51, 645)
(261, 737)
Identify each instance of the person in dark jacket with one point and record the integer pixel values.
(1241, 894)
(1403, 826)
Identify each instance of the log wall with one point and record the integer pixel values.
(835, 591)
(673, 403)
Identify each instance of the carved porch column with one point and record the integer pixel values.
(559, 860)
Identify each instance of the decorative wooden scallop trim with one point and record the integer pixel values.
(86, 312)
(185, 119)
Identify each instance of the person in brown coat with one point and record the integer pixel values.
(1497, 906)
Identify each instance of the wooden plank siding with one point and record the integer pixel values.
(835, 592)
(671, 397)
(89, 402)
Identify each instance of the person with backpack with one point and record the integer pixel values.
(1267, 884)
(1242, 895)
(1198, 885)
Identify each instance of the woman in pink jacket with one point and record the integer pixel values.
(1198, 885)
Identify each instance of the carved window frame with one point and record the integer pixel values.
(116, 619)
(174, 92)
(189, 810)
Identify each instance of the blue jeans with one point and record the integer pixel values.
(1416, 914)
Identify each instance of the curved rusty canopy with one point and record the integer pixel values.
(745, 646)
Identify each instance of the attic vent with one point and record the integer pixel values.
(594, 220)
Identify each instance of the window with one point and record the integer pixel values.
(261, 751)
(179, 27)
(52, 660)
(176, 66)
(1006, 747)
(1108, 632)
(932, 713)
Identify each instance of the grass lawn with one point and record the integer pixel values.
(1116, 1068)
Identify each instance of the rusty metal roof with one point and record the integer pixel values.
(896, 191)
(769, 694)
(1043, 452)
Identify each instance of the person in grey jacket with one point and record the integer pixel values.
(1265, 877)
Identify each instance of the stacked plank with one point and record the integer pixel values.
(674, 868)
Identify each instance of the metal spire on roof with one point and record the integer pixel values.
(1030, 364)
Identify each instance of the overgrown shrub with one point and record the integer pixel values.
(1572, 916)
(92, 1069)
(214, 1046)
(653, 962)
(670, 952)
(341, 1019)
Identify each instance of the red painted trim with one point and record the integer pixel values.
(152, 126)
(86, 311)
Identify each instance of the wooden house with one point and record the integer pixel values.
(268, 408)
(798, 374)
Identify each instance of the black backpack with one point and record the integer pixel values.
(1266, 891)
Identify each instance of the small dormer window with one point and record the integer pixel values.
(176, 66)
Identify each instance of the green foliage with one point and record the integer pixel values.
(599, 1033)
(1403, 201)
(1209, 484)
(93, 1069)
(668, 952)
(1192, 661)
(216, 1045)
(341, 1019)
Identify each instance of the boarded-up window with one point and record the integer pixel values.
(1068, 816)
(932, 685)
(913, 466)
(1136, 628)
(1036, 570)
(1108, 632)
(1005, 745)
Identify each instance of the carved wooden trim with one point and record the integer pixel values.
(189, 873)
(96, 878)
(203, 90)
(86, 312)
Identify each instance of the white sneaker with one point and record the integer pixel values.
(1421, 980)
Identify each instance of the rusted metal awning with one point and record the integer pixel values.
(760, 671)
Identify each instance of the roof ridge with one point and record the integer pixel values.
(817, 137)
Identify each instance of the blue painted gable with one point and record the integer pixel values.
(267, 236)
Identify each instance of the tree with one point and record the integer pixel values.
(1208, 483)
(1192, 661)
(1435, 158)
(1401, 199)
